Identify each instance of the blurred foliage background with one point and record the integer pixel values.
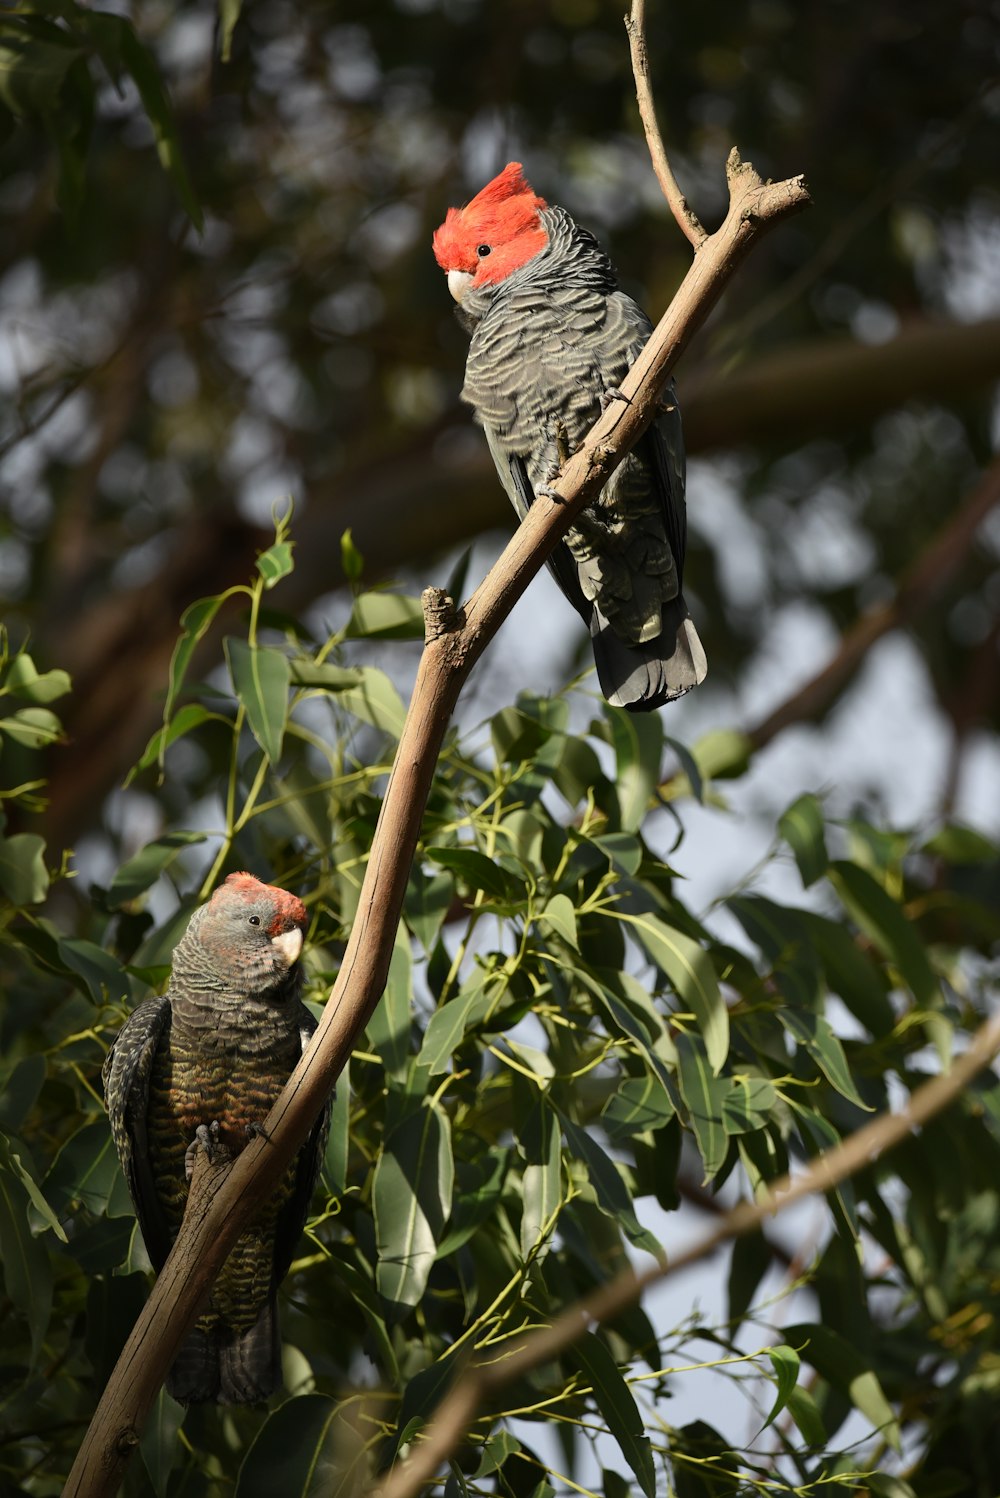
(217, 290)
(165, 386)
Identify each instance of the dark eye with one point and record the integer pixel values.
(254, 920)
(483, 249)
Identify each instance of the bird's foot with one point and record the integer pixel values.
(207, 1137)
(257, 1130)
(612, 393)
(544, 491)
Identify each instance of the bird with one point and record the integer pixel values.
(552, 338)
(200, 1067)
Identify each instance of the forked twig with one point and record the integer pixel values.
(635, 25)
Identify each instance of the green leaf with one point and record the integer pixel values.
(428, 900)
(295, 1452)
(815, 1033)
(24, 1262)
(141, 871)
(689, 765)
(805, 1412)
(704, 1096)
(24, 680)
(879, 916)
(338, 1140)
(158, 1442)
(750, 1261)
(496, 1449)
(843, 1366)
(411, 1196)
(24, 879)
(722, 754)
(516, 735)
(33, 68)
(609, 1188)
(618, 1408)
(13, 1156)
(623, 851)
(276, 562)
(196, 621)
(385, 616)
(963, 845)
(638, 744)
(375, 700)
(261, 678)
(849, 972)
(229, 14)
(785, 1362)
(478, 1204)
(638, 1106)
(448, 1025)
(388, 1030)
(560, 914)
(747, 1104)
(184, 721)
(689, 969)
(541, 1183)
(802, 828)
(84, 1170)
(351, 559)
(34, 727)
(478, 872)
(156, 103)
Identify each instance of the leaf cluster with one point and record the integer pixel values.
(564, 1052)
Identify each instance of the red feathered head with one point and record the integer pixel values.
(494, 235)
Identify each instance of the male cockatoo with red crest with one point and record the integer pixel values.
(552, 339)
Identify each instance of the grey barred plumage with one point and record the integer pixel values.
(550, 338)
(212, 1054)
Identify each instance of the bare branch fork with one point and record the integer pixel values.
(223, 1200)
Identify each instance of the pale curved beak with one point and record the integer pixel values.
(458, 283)
(289, 944)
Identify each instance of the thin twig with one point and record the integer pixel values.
(826, 1171)
(212, 1224)
(635, 25)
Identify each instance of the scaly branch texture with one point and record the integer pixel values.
(824, 1173)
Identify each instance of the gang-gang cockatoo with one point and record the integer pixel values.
(201, 1066)
(552, 340)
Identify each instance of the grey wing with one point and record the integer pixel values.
(292, 1218)
(514, 478)
(666, 438)
(126, 1076)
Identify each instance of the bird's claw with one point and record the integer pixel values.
(612, 393)
(544, 491)
(207, 1137)
(257, 1131)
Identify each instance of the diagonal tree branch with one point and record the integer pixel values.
(220, 1208)
(923, 581)
(827, 1170)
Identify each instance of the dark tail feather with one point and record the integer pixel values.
(250, 1361)
(194, 1378)
(220, 1366)
(644, 677)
